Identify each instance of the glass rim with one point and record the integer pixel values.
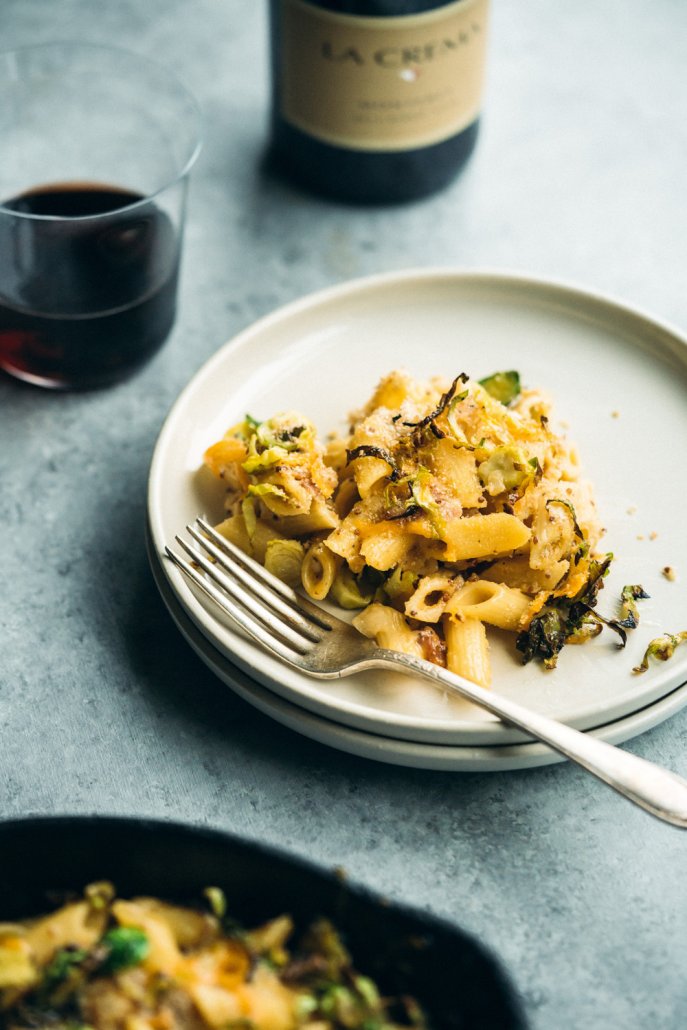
(130, 55)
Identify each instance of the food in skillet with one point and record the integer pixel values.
(108, 963)
(449, 507)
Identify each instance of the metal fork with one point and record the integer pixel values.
(311, 640)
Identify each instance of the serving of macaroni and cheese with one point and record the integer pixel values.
(449, 507)
(101, 962)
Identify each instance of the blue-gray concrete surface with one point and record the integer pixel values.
(579, 175)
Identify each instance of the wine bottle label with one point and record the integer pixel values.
(382, 83)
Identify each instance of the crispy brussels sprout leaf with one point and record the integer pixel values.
(506, 468)
(545, 637)
(266, 459)
(62, 964)
(284, 559)
(217, 901)
(127, 946)
(421, 489)
(571, 511)
(563, 619)
(267, 490)
(662, 648)
(400, 585)
(370, 451)
(348, 591)
(62, 977)
(502, 386)
(429, 421)
(629, 613)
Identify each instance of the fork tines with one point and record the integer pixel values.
(262, 605)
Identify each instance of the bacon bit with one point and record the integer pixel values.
(433, 647)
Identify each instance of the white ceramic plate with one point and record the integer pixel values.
(619, 380)
(386, 749)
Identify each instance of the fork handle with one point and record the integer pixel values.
(657, 790)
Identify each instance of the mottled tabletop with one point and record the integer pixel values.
(578, 175)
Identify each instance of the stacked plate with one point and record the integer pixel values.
(618, 380)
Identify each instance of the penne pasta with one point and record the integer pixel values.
(467, 649)
(385, 546)
(448, 507)
(320, 517)
(318, 570)
(430, 599)
(389, 629)
(368, 472)
(482, 536)
(455, 468)
(346, 496)
(516, 572)
(493, 603)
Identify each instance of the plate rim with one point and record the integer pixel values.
(410, 727)
(327, 294)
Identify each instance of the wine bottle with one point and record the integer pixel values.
(375, 101)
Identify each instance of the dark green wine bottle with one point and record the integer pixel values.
(375, 101)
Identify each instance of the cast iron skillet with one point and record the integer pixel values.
(409, 952)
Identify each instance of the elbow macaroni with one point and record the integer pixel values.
(445, 510)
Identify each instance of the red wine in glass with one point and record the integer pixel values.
(88, 282)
